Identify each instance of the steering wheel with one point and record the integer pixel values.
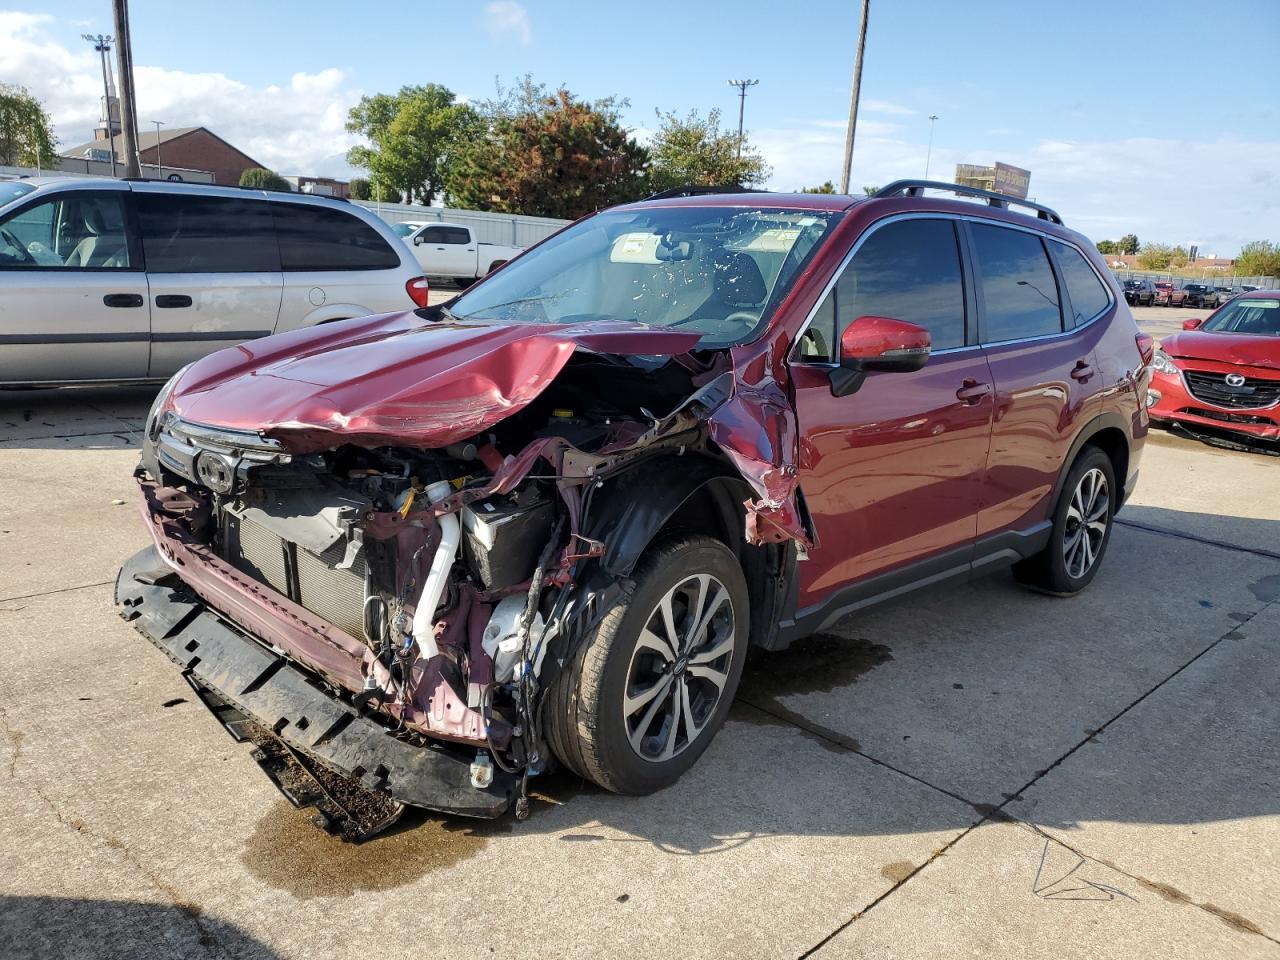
(14, 242)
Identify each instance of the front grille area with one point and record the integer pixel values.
(1213, 388)
(311, 580)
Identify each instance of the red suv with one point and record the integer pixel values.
(417, 558)
(1223, 373)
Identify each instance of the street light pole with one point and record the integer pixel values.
(742, 105)
(159, 162)
(102, 45)
(853, 97)
(128, 108)
(933, 118)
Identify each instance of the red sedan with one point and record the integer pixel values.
(1223, 373)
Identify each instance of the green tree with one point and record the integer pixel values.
(870, 191)
(413, 135)
(263, 179)
(1129, 244)
(26, 134)
(695, 151)
(1259, 258)
(359, 189)
(825, 187)
(546, 153)
(1161, 256)
(1108, 246)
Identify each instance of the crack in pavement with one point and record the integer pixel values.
(1194, 538)
(51, 593)
(997, 813)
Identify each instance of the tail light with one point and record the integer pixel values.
(417, 290)
(1146, 347)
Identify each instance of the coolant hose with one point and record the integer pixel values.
(438, 577)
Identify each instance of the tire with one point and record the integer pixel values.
(586, 719)
(1075, 551)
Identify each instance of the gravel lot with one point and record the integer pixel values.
(976, 772)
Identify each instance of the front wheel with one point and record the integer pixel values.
(650, 686)
(1081, 529)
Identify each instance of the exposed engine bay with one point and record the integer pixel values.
(439, 590)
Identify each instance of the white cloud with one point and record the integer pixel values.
(507, 18)
(885, 106)
(293, 127)
(1218, 193)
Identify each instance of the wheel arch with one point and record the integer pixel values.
(1108, 432)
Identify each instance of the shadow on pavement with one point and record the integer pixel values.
(68, 928)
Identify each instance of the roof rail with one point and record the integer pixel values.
(914, 188)
(231, 186)
(692, 190)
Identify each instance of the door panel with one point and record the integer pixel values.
(194, 314)
(450, 251)
(73, 302)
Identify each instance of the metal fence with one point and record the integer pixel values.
(489, 227)
(1216, 278)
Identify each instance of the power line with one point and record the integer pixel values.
(742, 104)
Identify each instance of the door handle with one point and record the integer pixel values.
(173, 300)
(1082, 371)
(123, 300)
(972, 392)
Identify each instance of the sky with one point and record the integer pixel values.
(1155, 118)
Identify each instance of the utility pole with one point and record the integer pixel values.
(159, 162)
(933, 118)
(102, 45)
(128, 108)
(742, 105)
(853, 98)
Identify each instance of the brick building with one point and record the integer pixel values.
(193, 148)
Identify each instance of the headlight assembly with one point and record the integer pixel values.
(1163, 363)
(154, 417)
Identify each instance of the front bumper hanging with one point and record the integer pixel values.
(260, 696)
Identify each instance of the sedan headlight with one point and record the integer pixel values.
(159, 403)
(1163, 363)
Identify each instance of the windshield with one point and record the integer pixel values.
(404, 229)
(716, 271)
(1260, 317)
(13, 189)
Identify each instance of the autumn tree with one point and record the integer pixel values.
(694, 151)
(1161, 256)
(26, 134)
(546, 153)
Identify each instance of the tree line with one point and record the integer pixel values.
(535, 150)
(1256, 258)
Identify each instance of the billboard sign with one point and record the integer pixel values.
(1011, 181)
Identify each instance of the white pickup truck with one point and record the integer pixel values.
(452, 251)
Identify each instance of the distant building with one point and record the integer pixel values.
(192, 148)
(321, 186)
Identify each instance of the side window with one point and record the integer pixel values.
(456, 235)
(433, 235)
(908, 270)
(1019, 293)
(320, 238)
(1087, 294)
(75, 231)
(188, 233)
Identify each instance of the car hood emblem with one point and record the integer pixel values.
(1235, 380)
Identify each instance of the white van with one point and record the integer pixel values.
(110, 280)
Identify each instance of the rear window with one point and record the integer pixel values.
(1019, 293)
(319, 238)
(1087, 294)
(195, 234)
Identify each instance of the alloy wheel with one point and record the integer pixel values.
(679, 668)
(1086, 526)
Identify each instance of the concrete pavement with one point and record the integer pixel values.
(974, 772)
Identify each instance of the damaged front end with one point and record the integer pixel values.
(380, 619)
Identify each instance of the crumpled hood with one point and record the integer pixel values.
(1237, 348)
(395, 379)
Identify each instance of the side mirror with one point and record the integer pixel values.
(1191, 324)
(417, 240)
(878, 343)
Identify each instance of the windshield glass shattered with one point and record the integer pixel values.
(716, 271)
(1261, 317)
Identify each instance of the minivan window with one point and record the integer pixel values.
(1019, 293)
(13, 189)
(908, 270)
(319, 238)
(76, 230)
(1087, 294)
(188, 233)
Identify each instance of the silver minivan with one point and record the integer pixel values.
(110, 280)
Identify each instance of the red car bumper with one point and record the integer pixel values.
(1192, 397)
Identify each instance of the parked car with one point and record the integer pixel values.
(1166, 295)
(1200, 295)
(427, 555)
(452, 251)
(1139, 292)
(1223, 374)
(407, 228)
(110, 280)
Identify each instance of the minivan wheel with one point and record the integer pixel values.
(1081, 529)
(650, 686)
